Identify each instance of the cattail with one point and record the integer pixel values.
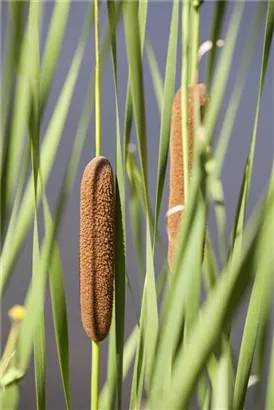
(176, 198)
(97, 229)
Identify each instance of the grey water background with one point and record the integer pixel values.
(158, 21)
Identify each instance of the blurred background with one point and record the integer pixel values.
(158, 24)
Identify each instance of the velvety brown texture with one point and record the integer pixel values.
(97, 230)
(176, 196)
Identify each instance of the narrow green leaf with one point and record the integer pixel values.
(59, 310)
(12, 52)
(151, 321)
(134, 53)
(217, 196)
(270, 391)
(148, 329)
(259, 310)
(137, 229)
(206, 404)
(142, 14)
(120, 240)
(55, 37)
(218, 20)
(156, 77)
(210, 266)
(222, 72)
(166, 111)
(120, 270)
(222, 392)
(129, 352)
(9, 397)
(19, 121)
(138, 372)
(13, 46)
(235, 98)
(39, 339)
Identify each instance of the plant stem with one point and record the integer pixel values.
(195, 29)
(95, 375)
(9, 349)
(97, 80)
(184, 83)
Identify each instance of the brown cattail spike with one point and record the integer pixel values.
(176, 198)
(97, 230)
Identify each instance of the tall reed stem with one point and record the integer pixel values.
(184, 84)
(97, 81)
(95, 363)
(95, 360)
(195, 29)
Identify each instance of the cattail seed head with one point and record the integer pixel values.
(176, 197)
(97, 230)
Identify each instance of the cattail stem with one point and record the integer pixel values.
(95, 363)
(195, 29)
(95, 345)
(97, 81)
(184, 82)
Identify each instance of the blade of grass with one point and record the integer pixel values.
(166, 112)
(18, 122)
(148, 322)
(39, 339)
(35, 300)
(222, 394)
(207, 400)
(142, 14)
(259, 310)
(235, 99)
(129, 352)
(210, 266)
(135, 179)
(270, 391)
(223, 70)
(138, 372)
(217, 197)
(136, 228)
(9, 397)
(151, 321)
(54, 42)
(218, 19)
(134, 53)
(59, 310)
(115, 378)
(13, 47)
(14, 39)
(120, 273)
(156, 77)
